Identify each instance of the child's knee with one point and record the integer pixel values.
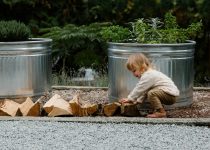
(153, 93)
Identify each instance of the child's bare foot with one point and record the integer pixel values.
(157, 115)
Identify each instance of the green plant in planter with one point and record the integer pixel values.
(115, 33)
(165, 42)
(22, 61)
(14, 31)
(152, 31)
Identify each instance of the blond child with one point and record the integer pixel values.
(153, 85)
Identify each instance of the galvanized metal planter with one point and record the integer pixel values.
(25, 68)
(175, 60)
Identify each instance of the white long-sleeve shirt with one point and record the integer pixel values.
(152, 79)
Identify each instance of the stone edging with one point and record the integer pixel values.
(78, 87)
(106, 88)
(138, 120)
(201, 88)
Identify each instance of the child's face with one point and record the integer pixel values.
(136, 72)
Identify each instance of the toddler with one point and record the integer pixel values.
(152, 85)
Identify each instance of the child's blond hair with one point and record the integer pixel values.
(138, 60)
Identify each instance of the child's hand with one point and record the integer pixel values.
(125, 100)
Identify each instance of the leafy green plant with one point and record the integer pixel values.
(77, 46)
(152, 31)
(115, 33)
(13, 31)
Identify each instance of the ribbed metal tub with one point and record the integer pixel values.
(25, 68)
(175, 60)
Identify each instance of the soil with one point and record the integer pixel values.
(200, 107)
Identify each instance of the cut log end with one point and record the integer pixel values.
(80, 110)
(111, 109)
(129, 110)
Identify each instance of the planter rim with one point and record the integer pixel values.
(33, 45)
(30, 41)
(188, 42)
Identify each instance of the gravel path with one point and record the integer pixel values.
(88, 136)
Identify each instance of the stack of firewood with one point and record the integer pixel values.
(57, 106)
(27, 108)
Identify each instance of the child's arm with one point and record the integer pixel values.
(125, 100)
(145, 83)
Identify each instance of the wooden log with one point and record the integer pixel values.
(91, 109)
(9, 108)
(25, 106)
(29, 108)
(57, 106)
(74, 105)
(35, 109)
(111, 108)
(80, 110)
(129, 109)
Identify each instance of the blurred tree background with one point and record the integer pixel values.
(56, 15)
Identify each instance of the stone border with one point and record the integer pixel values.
(201, 89)
(86, 88)
(106, 88)
(129, 120)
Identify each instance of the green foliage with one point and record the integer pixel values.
(13, 2)
(48, 13)
(194, 29)
(146, 31)
(87, 57)
(77, 46)
(13, 31)
(170, 21)
(115, 33)
(153, 31)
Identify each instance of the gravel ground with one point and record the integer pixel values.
(92, 96)
(37, 135)
(71, 135)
